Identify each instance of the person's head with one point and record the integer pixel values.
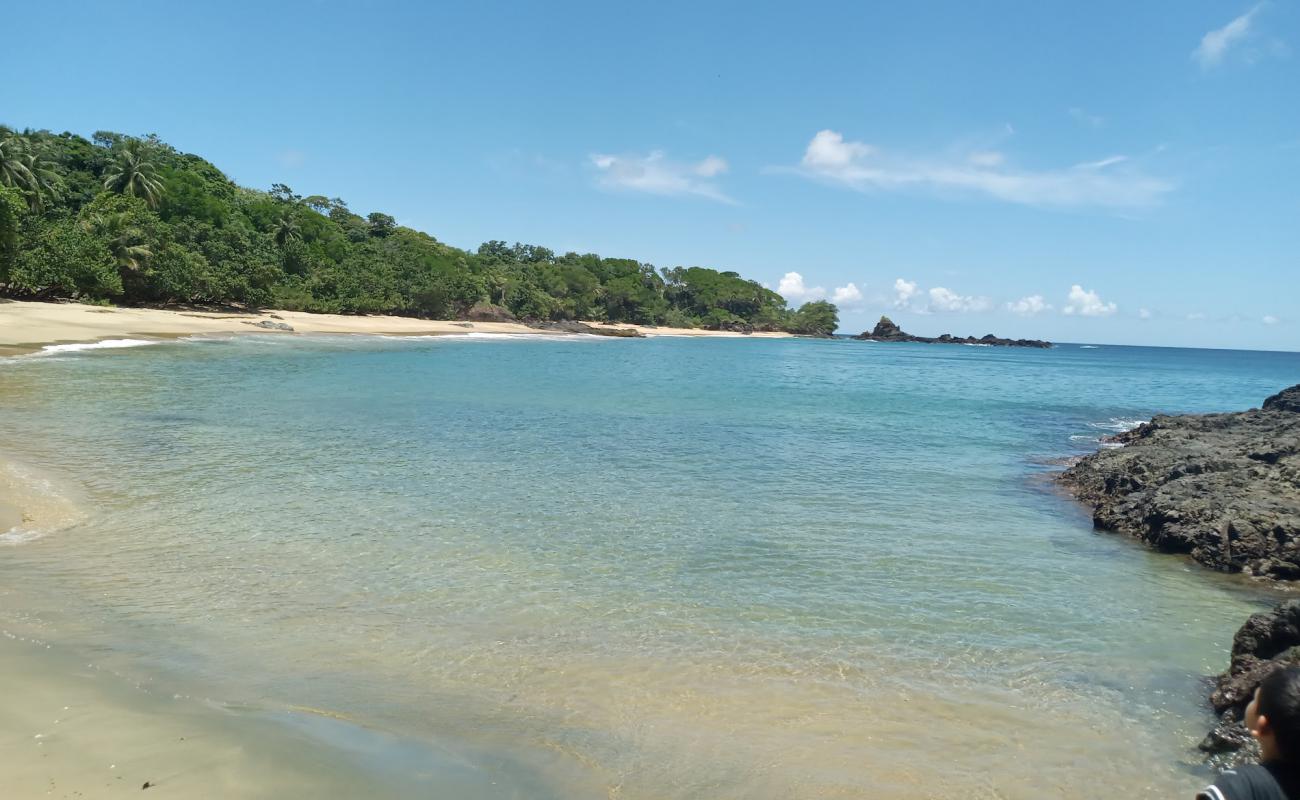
(1273, 715)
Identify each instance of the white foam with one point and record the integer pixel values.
(106, 344)
(42, 504)
(532, 337)
(1088, 347)
(16, 536)
(1117, 424)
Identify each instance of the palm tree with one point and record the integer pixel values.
(13, 165)
(23, 169)
(125, 241)
(133, 173)
(44, 183)
(286, 229)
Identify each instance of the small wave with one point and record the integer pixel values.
(17, 535)
(106, 344)
(1117, 424)
(1089, 347)
(35, 504)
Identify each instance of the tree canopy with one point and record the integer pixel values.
(132, 220)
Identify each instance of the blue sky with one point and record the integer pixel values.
(1102, 172)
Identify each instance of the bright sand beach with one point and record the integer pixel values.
(27, 326)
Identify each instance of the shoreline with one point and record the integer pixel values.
(1217, 489)
(28, 326)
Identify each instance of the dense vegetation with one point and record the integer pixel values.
(132, 220)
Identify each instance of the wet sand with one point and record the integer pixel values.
(69, 729)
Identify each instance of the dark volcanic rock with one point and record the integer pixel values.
(1285, 400)
(887, 330)
(568, 326)
(1267, 641)
(1224, 488)
(487, 312)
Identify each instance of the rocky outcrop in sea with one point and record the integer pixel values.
(887, 330)
(1223, 488)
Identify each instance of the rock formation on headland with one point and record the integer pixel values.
(887, 331)
(1224, 488)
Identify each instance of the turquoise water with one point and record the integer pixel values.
(651, 568)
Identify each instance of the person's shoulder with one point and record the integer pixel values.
(1247, 782)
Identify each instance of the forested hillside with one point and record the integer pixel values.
(134, 221)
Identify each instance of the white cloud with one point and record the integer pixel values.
(909, 296)
(1215, 45)
(829, 151)
(791, 287)
(655, 174)
(1087, 303)
(1196, 316)
(1029, 306)
(860, 166)
(904, 291)
(942, 299)
(847, 295)
(1144, 313)
(1269, 319)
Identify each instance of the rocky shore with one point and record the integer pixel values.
(1267, 641)
(1224, 489)
(887, 330)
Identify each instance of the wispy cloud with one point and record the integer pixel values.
(1082, 116)
(1269, 319)
(1109, 161)
(863, 167)
(1215, 45)
(1087, 303)
(654, 173)
(291, 159)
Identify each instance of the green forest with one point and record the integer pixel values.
(131, 220)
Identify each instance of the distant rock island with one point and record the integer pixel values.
(887, 331)
(1224, 488)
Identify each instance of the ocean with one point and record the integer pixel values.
(659, 568)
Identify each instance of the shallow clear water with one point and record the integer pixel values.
(652, 568)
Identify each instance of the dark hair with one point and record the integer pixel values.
(1279, 701)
